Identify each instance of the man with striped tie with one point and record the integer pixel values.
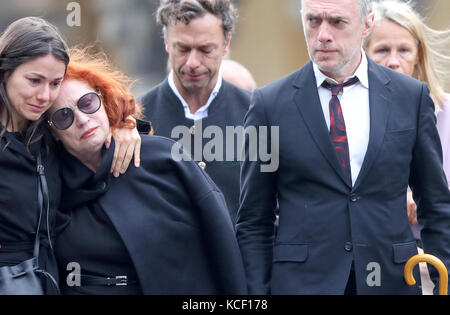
(353, 136)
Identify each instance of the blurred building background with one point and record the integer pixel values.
(268, 40)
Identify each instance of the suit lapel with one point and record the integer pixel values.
(380, 106)
(308, 103)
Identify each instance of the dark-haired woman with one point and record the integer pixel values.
(33, 62)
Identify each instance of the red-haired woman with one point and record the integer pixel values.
(162, 228)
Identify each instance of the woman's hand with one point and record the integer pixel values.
(411, 208)
(128, 144)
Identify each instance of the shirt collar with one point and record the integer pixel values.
(361, 72)
(213, 95)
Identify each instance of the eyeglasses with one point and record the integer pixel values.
(63, 118)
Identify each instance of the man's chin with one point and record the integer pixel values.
(328, 65)
(324, 62)
(194, 86)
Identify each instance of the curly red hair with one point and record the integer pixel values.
(114, 86)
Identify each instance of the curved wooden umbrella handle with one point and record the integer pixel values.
(436, 262)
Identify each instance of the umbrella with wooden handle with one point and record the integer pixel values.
(436, 262)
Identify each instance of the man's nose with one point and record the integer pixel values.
(193, 60)
(324, 33)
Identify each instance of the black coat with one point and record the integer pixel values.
(171, 218)
(19, 202)
(165, 111)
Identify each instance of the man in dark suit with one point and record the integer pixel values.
(194, 105)
(347, 153)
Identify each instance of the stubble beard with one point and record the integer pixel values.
(339, 68)
(193, 88)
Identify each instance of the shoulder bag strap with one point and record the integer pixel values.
(40, 170)
(43, 198)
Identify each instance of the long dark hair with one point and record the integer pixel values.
(24, 40)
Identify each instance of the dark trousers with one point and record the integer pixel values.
(350, 289)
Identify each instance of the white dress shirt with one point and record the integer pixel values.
(202, 112)
(355, 108)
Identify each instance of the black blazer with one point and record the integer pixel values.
(325, 224)
(171, 217)
(228, 109)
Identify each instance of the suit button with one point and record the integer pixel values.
(354, 197)
(192, 130)
(348, 247)
(202, 165)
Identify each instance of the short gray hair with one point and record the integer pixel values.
(173, 11)
(364, 8)
(363, 5)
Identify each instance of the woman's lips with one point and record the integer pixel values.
(89, 133)
(37, 108)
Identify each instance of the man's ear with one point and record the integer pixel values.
(166, 39)
(227, 45)
(368, 24)
(166, 45)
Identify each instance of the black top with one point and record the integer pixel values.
(18, 215)
(228, 109)
(19, 209)
(90, 239)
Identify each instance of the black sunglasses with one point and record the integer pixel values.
(63, 118)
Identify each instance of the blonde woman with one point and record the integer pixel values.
(403, 42)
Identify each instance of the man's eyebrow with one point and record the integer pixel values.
(312, 15)
(337, 17)
(326, 17)
(208, 45)
(178, 43)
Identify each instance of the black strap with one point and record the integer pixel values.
(107, 281)
(40, 170)
(46, 200)
(52, 281)
(43, 199)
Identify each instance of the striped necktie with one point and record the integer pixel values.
(338, 132)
